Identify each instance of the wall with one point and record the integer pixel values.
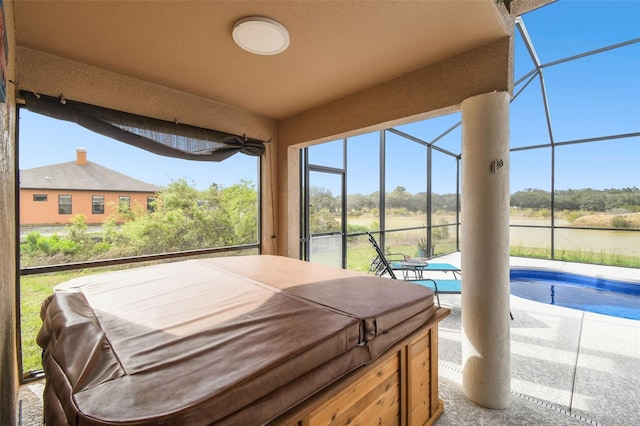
(46, 212)
(8, 353)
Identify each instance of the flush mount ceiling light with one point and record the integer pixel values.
(260, 35)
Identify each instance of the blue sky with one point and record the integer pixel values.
(594, 96)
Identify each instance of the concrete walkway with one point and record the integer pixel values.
(568, 366)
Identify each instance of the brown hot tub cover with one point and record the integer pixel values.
(224, 340)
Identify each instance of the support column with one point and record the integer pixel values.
(486, 377)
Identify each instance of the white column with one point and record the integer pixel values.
(486, 377)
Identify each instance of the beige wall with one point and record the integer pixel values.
(46, 212)
(8, 352)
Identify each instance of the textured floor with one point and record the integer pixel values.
(30, 404)
(568, 367)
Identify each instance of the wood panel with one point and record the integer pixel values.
(399, 388)
(374, 395)
(420, 378)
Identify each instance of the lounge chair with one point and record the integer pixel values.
(381, 266)
(439, 286)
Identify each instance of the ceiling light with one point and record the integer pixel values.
(260, 35)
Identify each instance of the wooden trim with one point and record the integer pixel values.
(435, 401)
(405, 385)
(389, 390)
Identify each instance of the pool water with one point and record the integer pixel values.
(592, 294)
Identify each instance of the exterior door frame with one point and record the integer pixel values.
(305, 237)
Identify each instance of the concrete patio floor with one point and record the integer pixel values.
(569, 367)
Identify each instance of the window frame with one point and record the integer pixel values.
(60, 204)
(122, 201)
(97, 201)
(150, 207)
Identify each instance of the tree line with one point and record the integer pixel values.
(399, 198)
(625, 199)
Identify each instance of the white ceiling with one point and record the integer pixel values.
(336, 47)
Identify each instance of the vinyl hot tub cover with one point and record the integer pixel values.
(221, 341)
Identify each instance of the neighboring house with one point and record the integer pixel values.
(54, 194)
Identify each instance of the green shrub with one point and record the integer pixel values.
(544, 213)
(31, 244)
(77, 230)
(67, 247)
(353, 229)
(571, 216)
(39, 245)
(620, 222)
(100, 248)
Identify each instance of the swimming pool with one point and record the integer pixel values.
(592, 294)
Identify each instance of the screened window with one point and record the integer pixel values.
(124, 203)
(39, 197)
(97, 204)
(363, 182)
(64, 204)
(151, 204)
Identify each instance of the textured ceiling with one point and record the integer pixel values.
(336, 48)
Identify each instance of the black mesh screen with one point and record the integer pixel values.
(158, 136)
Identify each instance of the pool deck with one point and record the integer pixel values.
(568, 367)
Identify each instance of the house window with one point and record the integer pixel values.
(97, 204)
(124, 203)
(64, 204)
(151, 204)
(39, 197)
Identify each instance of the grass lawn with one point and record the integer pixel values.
(34, 289)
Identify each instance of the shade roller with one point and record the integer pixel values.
(158, 136)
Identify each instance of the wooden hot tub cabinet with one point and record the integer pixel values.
(247, 340)
(399, 388)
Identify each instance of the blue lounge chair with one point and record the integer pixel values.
(381, 266)
(417, 267)
(439, 286)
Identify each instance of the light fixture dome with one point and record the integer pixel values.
(260, 35)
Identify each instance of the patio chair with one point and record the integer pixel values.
(380, 266)
(439, 286)
(380, 263)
